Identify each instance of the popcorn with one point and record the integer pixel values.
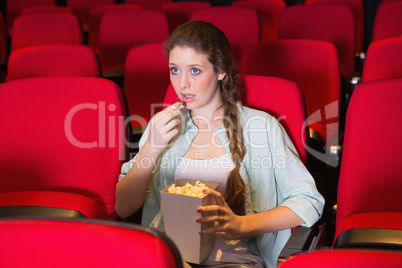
(189, 189)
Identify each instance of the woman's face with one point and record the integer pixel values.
(194, 79)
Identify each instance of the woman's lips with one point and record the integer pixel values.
(187, 97)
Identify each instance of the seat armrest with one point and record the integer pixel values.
(28, 211)
(302, 239)
(370, 238)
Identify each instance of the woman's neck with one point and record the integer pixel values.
(209, 119)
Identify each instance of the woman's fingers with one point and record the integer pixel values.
(220, 214)
(168, 113)
(165, 125)
(216, 195)
(212, 230)
(212, 209)
(212, 218)
(171, 129)
(170, 125)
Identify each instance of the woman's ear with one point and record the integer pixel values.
(221, 76)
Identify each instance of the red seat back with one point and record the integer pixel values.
(383, 60)
(312, 65)
(14, 7)
(84, 243)
(179, 12)
(82, 8)
(119, 31)
(53, 60)
(357, 7)
(240, 25)
(45, 9)
(95, 16)
(370, 176)
(46, 29)
(383, 2)
(149, 5)
(62, 134)
(387, 21)
(323, 23)
(268, 15)
(146, 77)
(3, 40)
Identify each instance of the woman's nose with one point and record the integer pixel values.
(183, 83)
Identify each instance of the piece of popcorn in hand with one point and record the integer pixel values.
(189, 189)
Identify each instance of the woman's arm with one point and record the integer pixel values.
(277, 219)
(132, 188)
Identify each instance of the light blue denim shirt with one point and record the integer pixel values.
(272, 171)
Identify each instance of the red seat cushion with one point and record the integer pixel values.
(345, 258)
(380, 220)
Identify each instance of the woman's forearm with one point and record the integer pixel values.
(273, 220)
(132, 188)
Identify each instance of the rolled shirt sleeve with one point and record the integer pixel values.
(295, 184)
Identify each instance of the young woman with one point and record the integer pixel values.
(264, 189)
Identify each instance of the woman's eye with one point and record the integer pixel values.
(195, 71)
(174, 70)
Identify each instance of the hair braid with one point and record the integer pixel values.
(235, 190)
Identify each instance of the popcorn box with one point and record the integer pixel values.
(179, 214)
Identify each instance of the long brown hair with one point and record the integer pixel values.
(205, 38)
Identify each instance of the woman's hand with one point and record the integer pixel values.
(227, 222)
(164, 126)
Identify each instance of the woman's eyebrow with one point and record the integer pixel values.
(188, 65)
(195, 65)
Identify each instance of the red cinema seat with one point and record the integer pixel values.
(369, 211)
(344, 258)
(63, 148)
(149, 5)
(53, 60)
(383, 2)
(357, 7)
(65, 243)
(383, 60)
(146, 77)
(387, 21)
(82, 9)
(269, 12)
(46, 29)
(45, 9)
(269, 94)
(323, 23)
(178, 13)
(240, 25)
(313, 66)
(119, 31)
(14, 7)
(95, 16)
(3, 47)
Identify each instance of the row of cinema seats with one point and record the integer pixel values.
(63, 161)
(275, 20)
(312, 64)
(116, 41)
(78, 243)
(281, 53)
(81, 8)
(95, 106)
